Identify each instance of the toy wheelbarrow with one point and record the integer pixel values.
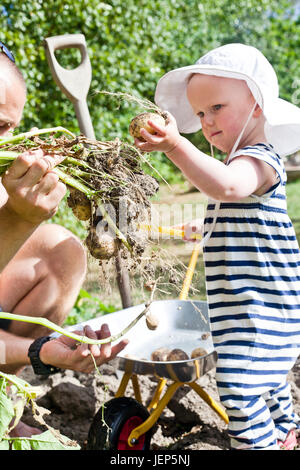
(124, 423)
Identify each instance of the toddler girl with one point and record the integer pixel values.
(252, 259)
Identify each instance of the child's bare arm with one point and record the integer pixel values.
(242, 177)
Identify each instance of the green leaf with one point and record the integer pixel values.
(23, 387)
(4, 445)
(47, 441)
(6, 412)
(19, 409)
(83, 294)
(21, 444)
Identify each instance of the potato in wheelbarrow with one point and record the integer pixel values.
(160, 354)
(177, 355)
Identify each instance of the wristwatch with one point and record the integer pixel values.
(34, 355)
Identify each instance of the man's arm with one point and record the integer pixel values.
(29, 194)
(14, 231)
(14, 350)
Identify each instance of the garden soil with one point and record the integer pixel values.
(187, 423)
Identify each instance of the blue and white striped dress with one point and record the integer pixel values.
(252, 264)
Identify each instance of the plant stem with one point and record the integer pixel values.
(69, 180)
(82, 339)
(27, 135)
(111, 224)
(90, 193)
(6, 156)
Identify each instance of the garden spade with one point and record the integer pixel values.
(75, 84)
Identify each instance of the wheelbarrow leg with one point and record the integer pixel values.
(123, 385)
(136, 388)
(149, 423)
(210, 401)
(153, 404)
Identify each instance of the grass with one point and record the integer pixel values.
(293, 204)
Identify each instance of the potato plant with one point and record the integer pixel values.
(15, 394)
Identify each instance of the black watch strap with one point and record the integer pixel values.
(34, 355)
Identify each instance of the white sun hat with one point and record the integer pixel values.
(282, 128)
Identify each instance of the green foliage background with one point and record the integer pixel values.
(132, 43)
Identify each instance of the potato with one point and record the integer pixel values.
(160, 354)
(82, 212)
(141, 122)
(80, 204)
(177, 355)
(101, 246)
(198, 352)
(152, 321)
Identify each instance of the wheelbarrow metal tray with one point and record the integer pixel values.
(183, 324)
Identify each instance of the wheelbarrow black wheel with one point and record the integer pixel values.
(112, 426)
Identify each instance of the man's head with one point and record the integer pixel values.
(12, 95)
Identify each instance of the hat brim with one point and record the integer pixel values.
(282, 128)
(282, 118)
(171, 96)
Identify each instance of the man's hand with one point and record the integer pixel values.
(65, 352)
(34, 191)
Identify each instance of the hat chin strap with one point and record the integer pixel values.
(217, 205)
(242, 132)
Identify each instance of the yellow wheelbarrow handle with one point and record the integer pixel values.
(173, 232)
(190, 272)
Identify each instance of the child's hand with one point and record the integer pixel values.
(165, 139)
(190, 228)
